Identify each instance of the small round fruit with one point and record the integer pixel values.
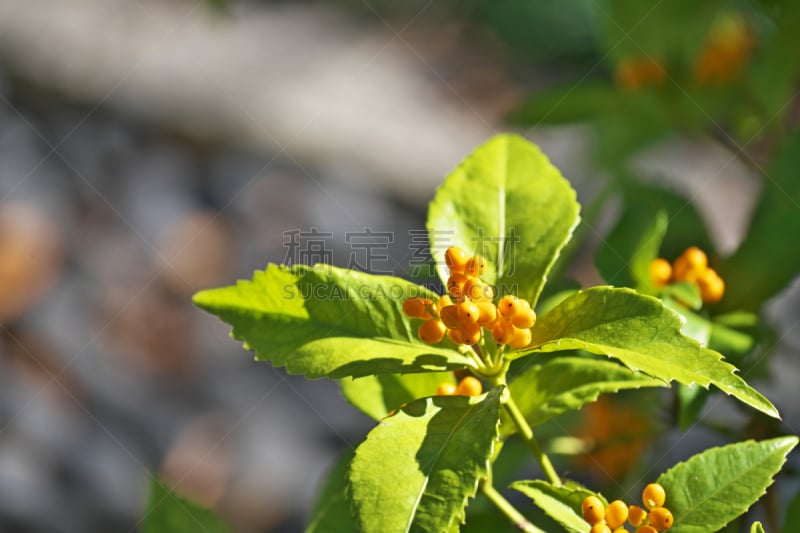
(445, 389)
(417, 308)
(525, 318)
(475, 289)
(468, 313)
(661, 518)
(616, 514)
(469, 386)
(636, 515)
(502, 332)
(653, 495)
(456, 336)
(646, 529)
(508, 306)
(521, 338)
(711, 286)
(488, 312)
(471, 333)
(432, 331)
(456, 259)
(592, 510)
(455, 285)
(660, 272)
(449, 316)
(600, 528)
(443, 302)
(476, 266)
(696, 258)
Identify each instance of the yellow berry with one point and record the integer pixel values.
(616, 514)
(520, 338)
(661, 518)
(455, 285)
(636, 515)
(456, 259)
(660, 272)
(432, 331)
(456, 336)
(711, 286)
(525, 317)
(502, 332)
(475, 289)
(449, 316)
(508, 306)
(468, 313)
(418, 308)
(653, 495)
(488, 312)
(646, 529)
(443, 302)
(446, 389)
(592, 510)
(470, 333)
(469, 386)
(476, 266)
(600, 528)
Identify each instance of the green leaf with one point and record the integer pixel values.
(563, 504)
(567, 383)
(625, 255)
(507, 202)
(376, 395)
(767, 261)
(694, 326)
(791, 522)
(326, 321)
(169, 513)
(332, 510)
(685, 292)
(714, 487)
(569, 103)
(641, 333)
(417, 468)
(756, 528)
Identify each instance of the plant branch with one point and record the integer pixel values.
(530, 439)
(519, 521)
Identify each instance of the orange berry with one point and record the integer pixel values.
(520, 338)
(418, 308)
(696, 257)
(661, 518)
(526, 317)
(616, 514)
(455, 285)
(711, 286)
(443, 302)
(502, 332)
(449, 316)
(508, 306)
(636, 515)
(646, 529)
(600, 528)
(456, 336)
(488, 312)
(476, 266)
(471, 333)
(469, 386)
(475, 289)
(654, 495)
(446, 389)
(456, 259)
(660, 272)
(592, 510)
(468, 313)
(432, 331)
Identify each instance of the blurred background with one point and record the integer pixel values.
(152, 148)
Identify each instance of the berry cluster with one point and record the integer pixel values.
(612, 519)
(467, 309)
(469, 386)
(691, 266)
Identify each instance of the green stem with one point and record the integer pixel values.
(519, 521)
(530, 440)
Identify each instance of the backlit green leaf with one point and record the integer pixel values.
(641, 333)
(332, 511)
(326, 321)
(563, 384)
(507, 202)
(563, 504)
(418, 467)
(714, 487)
(376, 395)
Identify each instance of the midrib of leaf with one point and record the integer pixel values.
(731, 482)
(435, 460)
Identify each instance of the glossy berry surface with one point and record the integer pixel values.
(456, 259)
(592, 510)
(469, 386)
(653, 495)
(660, 272)
(646, 529)
(616, 514)
(600, 528)
(636, 515)
(432, 331)
(417, 308)
(661, 518)
(520, 338)
(446, 389)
